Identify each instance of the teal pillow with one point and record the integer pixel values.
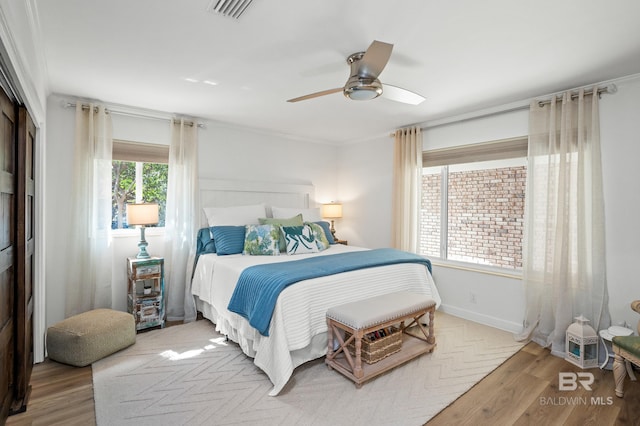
(327, 231)
(292, 221)
(299, 239)
(205, 243)
(321, 239)
(262, 240)
(228, 239)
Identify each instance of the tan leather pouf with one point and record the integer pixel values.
(85, 338)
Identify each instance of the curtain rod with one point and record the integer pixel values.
(133, 114)
(610, 88)
(462, 120)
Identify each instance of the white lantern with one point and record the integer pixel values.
(582, 344)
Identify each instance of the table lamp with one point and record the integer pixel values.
(143, 214)
(332, 211)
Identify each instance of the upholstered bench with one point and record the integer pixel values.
(87, 337)
(378, 319)
(627, 352)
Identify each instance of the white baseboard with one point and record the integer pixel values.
(495, 322)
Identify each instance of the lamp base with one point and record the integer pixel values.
(333, 231)
(142, 246)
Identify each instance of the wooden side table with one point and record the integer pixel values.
(145, 293)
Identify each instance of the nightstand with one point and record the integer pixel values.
(343, 242)
(145, 294)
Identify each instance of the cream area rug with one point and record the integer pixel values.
(189, 375)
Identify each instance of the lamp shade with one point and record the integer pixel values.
(142, 214)
(332, 211)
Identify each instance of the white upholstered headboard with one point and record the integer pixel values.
(227, 193)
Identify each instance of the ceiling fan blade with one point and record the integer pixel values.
(375, 59)
(399, 94)
(315, 95)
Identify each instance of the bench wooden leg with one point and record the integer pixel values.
(428, 333)
(329, 340)
(432, 338)
(357, 371)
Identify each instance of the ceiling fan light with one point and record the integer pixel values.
(363, 93)
(362, 89)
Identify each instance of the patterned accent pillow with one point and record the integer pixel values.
(262, 240)
(318, 233)
(291, 221)
(228, 239)
(299, 239)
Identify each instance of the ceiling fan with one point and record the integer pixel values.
(363, 83)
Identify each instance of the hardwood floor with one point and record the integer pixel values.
(522, 391)
(60, 395)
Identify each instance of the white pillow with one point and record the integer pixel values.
(308, 215)
(235, 216)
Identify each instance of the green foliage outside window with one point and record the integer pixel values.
(154, 189)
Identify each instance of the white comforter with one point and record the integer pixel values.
(297, 333)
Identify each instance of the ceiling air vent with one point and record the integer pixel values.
(232, 8)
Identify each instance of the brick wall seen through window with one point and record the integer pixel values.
(485, 212)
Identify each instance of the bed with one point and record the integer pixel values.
(297, 329)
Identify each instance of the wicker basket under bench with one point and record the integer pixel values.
(374, 331)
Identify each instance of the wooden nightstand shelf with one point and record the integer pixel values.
(145, 294)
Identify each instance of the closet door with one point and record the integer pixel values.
(7, 252)
(25, 245)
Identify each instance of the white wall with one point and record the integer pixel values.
(365, 191)
(365, 186)
(228, 152)
(224, 153)
(620, 137)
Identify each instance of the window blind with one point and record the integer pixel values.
(495, 150)
(139, 151)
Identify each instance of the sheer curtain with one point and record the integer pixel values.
(89, 281)
(181, 218)
(564, 247)
(407, 189)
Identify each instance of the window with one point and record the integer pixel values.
(473, 203)
(139, 174)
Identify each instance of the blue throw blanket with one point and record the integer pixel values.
(259, 286)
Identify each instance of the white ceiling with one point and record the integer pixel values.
(462, 55)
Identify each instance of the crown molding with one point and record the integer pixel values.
(14, 61)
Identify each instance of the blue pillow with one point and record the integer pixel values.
(327, 231)
(228, 239)
(318, 234)
(205, 243)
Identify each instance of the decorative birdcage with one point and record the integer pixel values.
(581, 347)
